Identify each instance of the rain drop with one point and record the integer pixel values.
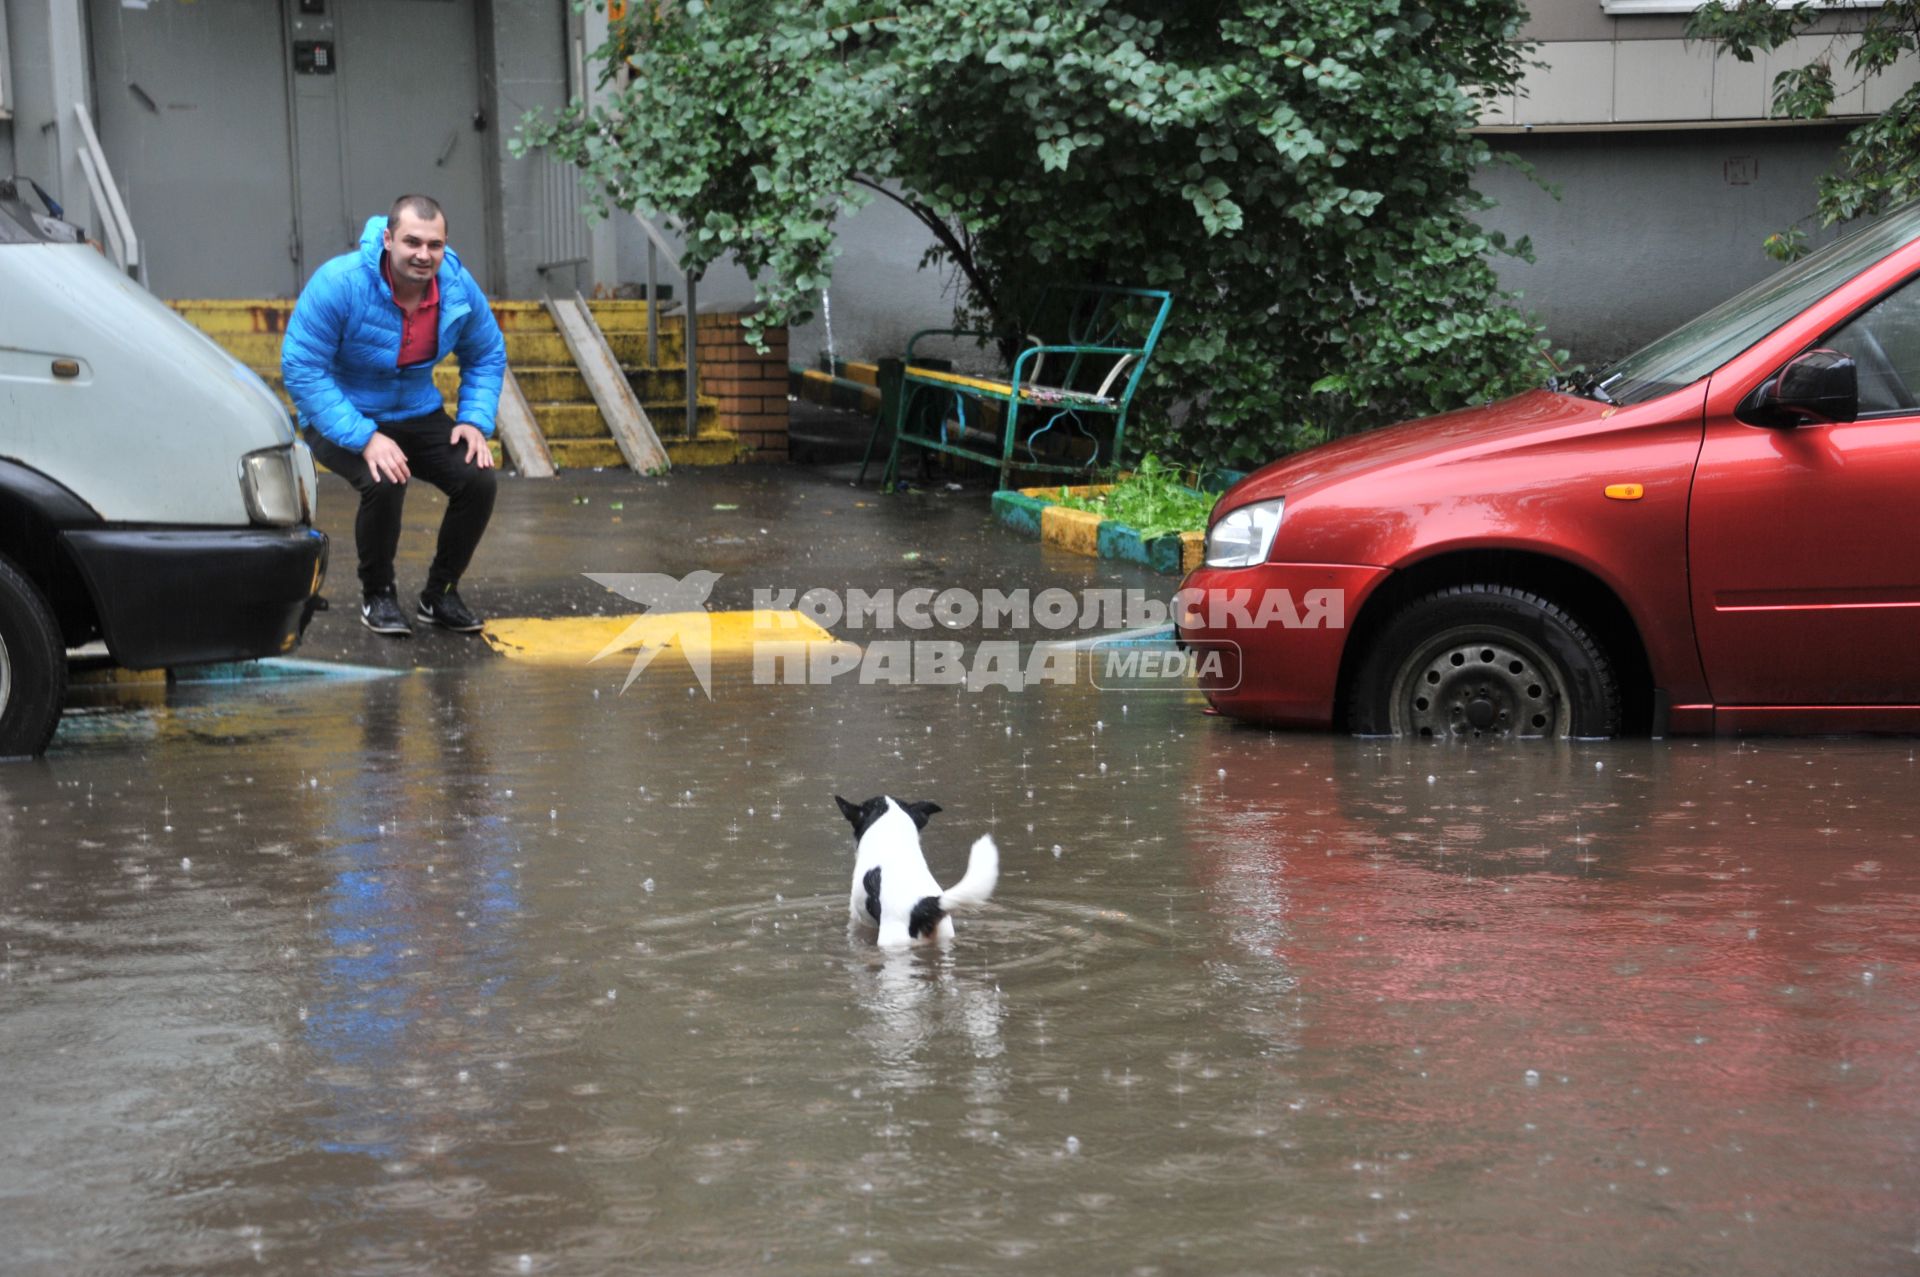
(1533, 1077)
(647, 885)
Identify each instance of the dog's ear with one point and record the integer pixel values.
(848, 810)
(921, 812)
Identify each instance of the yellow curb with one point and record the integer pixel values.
(1053, 493)
(115, 676)
(581, 640)
(1193, 551)
(1077, 531)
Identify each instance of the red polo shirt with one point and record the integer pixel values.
(419, 331)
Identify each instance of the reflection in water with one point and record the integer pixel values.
(478, 974)
(420, 936)
(917, 1003)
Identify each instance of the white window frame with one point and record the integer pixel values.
(1630, 8)
(6, 68)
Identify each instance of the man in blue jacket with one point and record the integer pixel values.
(358, 361)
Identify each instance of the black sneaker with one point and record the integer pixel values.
(381, 613)
(445, 609)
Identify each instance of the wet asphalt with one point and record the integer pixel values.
(450, 963)
(774, 528)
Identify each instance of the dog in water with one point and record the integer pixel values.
(893, 890)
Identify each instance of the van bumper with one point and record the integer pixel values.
(186, 596)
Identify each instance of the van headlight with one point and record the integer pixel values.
(271, 489)
(1242, 537)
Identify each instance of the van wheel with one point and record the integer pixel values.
(1485, 661)
(33, 666)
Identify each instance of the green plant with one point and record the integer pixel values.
(1153, 501)
(1298, 171)
(1879, 163)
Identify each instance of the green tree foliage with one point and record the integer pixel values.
(1879, 163)
(1298, 172)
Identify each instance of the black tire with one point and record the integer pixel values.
(1478, 661)
(33, 666)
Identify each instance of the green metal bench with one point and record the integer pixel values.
(1110, 333)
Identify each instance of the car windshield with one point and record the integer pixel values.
(1695, 349)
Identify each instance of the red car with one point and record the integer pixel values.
(1718, 533)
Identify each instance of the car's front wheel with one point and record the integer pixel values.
(33, 666)
(1480, 661)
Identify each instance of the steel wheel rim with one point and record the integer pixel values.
(6, 676)
(1471, 684)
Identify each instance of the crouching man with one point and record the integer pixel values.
(358, 362)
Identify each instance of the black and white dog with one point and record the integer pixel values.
(893, 890)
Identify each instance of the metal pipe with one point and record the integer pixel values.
(693, 360)
(653, 305)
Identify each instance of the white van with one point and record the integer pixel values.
(153, 494)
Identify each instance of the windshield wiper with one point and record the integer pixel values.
(1585, 383)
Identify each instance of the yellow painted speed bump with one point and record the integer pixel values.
(581, 640)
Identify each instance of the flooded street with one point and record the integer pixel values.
(495, 970)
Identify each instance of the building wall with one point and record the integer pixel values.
(524, 55)
(1628, 62)
(1650, 228)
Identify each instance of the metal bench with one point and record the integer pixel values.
(1109, 335)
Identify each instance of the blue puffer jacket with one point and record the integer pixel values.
(343, 343)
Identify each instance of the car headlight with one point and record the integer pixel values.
(1242, 538)
(304, 475)
(272, 492)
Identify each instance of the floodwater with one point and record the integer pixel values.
(496, 971)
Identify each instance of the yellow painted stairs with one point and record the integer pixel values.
(577, 435)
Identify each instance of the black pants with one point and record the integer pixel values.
(430, 456)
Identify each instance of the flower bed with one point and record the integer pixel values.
(1038, 512)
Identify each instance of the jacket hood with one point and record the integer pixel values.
(372, 241)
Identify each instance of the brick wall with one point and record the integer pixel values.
(751, 387)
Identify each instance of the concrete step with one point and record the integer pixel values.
(715, 448)
(566, 385)
(584, 454)
(710, 448)
(547, 349)
(583, 421)
(252, 332)
(631, 317)
(220, 316)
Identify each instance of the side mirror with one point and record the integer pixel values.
(1819, 386)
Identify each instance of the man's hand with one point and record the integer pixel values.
(477, 451)
(385, 459)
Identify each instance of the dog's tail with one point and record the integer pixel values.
(975, 888)
(976, 885)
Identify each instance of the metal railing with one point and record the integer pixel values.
(122, 243)
(658, 247)
(564, 238)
